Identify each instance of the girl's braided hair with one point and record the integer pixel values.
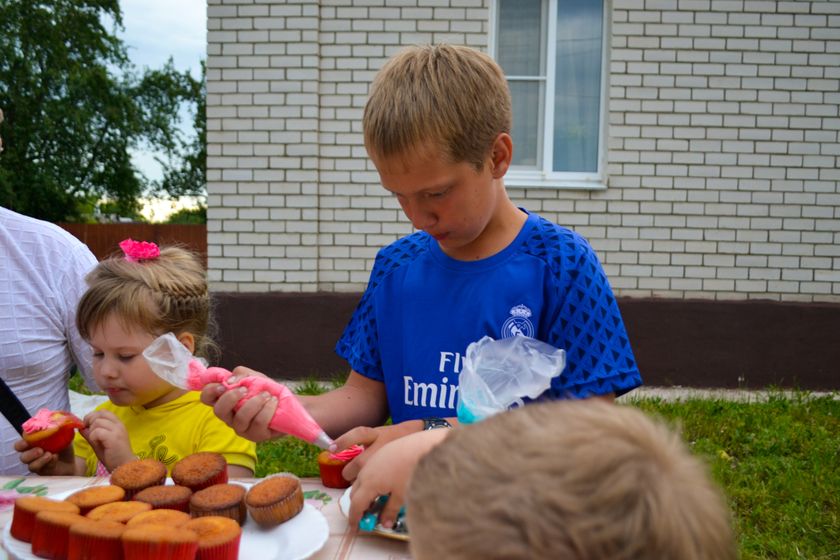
(165, 294)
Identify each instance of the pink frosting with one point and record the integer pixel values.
(43, 420)
(347, 454)
(290, 417)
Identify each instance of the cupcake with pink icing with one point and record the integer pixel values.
(51, 430)
(330, 466)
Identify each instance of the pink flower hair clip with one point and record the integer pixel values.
(136, 251)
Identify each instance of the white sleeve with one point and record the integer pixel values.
(79, 262)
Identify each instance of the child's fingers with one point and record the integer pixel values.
(389, 513)
(361, 498)
(40, 460)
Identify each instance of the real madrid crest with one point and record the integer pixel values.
(519, 322)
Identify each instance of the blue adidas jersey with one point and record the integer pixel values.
(422, 309)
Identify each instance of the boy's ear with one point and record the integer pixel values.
(502, 154)
(188, 340)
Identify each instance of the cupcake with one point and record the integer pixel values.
(89, 498)
(137, 475)
(275, 499)
(51, 430)
(166, 497)
(226, 500)
(200, 470)
(51, 533)
(159, 541)
(218, 537)
(330, 466)
(27, 507)
(118, 511)
(95, 540)
(169, 517)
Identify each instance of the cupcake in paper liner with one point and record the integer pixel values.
(275, 499)
(145, 542)
(95, 540)
(218, 537)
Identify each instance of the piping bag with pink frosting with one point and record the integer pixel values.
(172, 362)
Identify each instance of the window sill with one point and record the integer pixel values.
(536, 180)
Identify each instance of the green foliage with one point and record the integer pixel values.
(778, 462)
(75, 108)
(189, 216)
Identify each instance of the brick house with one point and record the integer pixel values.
(693, 142)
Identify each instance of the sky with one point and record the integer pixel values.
(154, 31)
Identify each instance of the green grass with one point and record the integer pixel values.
(778, 462)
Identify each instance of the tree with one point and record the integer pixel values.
(75, 107)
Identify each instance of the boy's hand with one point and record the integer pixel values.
(45, 463)
(108, 438)
(372, 439)
(251, 419)
(388, 473)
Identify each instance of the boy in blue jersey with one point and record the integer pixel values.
(437, 128)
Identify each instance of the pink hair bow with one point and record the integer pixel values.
(139, 250)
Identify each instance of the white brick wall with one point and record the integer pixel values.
(723, 176)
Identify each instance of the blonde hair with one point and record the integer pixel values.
(165, 294)
(570, 479)
(449, 97)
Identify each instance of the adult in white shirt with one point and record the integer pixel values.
(42, 278)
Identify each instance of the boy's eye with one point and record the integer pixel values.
(127, 358)
(97, 354)
(438, 194)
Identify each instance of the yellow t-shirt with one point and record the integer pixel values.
(172, 431)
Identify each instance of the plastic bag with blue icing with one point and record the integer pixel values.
(498, 374)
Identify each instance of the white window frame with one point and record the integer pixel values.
(545, 177)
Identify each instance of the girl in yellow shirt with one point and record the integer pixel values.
(131, 300)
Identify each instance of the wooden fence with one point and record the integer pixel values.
(103, 239)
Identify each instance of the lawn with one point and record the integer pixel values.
(778, 462)
(777, 459)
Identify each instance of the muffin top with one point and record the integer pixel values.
(35, 504)
(213, 530)
(198, 467)
(118, 511)
(96, 496)
(170, 517)
(218, 496)
(104, 528)
(138, 474)
(161, 494)
(159, 534)
(59, 518)
(272, 490)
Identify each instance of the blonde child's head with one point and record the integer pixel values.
(576, 480)
(448, 98)
(167, 293)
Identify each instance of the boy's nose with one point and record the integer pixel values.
(420, 217)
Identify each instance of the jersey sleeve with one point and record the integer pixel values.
(589, 326)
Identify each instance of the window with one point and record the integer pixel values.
(553, 53)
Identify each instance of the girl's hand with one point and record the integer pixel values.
(108, 438)
(45, 463)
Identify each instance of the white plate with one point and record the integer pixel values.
(344, 506)
(296, 539)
